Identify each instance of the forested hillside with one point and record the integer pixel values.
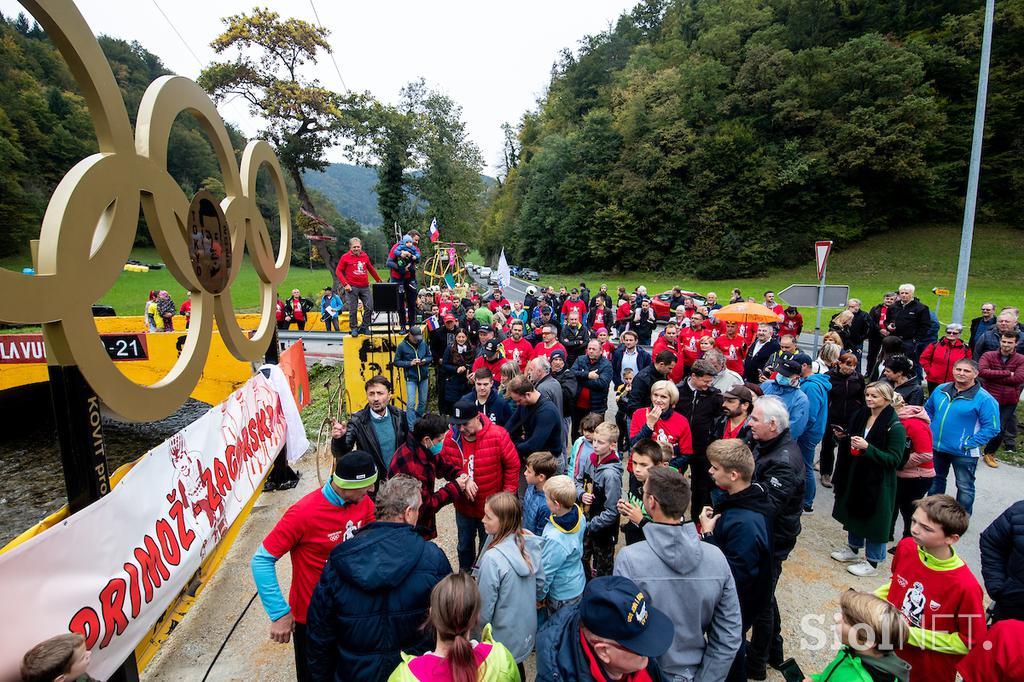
(715, 137)
(350, 188)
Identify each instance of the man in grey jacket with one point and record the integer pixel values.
(673, 561)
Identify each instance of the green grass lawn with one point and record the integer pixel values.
(925, 256)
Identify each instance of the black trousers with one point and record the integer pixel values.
(1007, 430)
(908, 491)
(700, 485)
(407, 293)
(827, 460)
(300, 640)
(766, 632)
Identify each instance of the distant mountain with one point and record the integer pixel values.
(350, 189)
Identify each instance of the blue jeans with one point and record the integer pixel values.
(471, 533)
(807, 450)
(963, 471)
(415, 400)
(874, 551)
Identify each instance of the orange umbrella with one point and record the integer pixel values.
(745, 312)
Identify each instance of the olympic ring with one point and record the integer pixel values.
(90, 223)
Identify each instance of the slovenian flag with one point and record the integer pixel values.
(433, 324)
(434, 233)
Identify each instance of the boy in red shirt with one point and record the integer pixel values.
(353, 271)
(308, 531)
(935, 591)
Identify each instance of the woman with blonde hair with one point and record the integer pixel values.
(662, 423)
(454, 613)
(870, 452)
(842, 325)
(871, 630)
(509, 371)
(828, 357)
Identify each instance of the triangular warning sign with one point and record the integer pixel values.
(821, 251)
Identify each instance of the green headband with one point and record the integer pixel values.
(345, 484)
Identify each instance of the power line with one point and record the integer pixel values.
(331, 53)
(171, 24)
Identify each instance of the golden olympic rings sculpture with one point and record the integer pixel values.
(90, 223)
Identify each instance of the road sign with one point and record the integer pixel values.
(821, 251)
(940, 292)
(806, 295)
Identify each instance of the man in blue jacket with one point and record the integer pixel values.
(593, 374)
(786, 387)
(964, 418)
(374, 593)
(413, 356)
(816, 388)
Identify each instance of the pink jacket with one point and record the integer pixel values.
(916, 421)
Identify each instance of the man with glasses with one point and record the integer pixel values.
(549, 342)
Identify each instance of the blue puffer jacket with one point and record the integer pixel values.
(404, 355)
(962, 423)
(599, 386)
(816, 388)
(371, 602)
(796, 404)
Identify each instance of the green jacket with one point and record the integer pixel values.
(499, 666)
(865, 485)
(848, 666)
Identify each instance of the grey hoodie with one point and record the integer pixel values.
(672, 564)
(509, 591)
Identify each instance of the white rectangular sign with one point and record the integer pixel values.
(111, 570)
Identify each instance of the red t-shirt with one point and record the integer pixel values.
(520, 351)
(495, 366)
(578, 306)
(308, 531)
(734, 349)
(933, 599)
(674, 430)
(539, 349)
(689, 340)
(444, 308)
(356, 270)
(747, 331)
(607, 349)
(622, 312)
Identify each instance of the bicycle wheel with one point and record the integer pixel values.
(324, 458)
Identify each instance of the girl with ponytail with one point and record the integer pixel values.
(454, 612)
(510, 576)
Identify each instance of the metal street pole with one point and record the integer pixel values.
(967, 236)
(821, 302)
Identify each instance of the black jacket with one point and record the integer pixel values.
(497, 409)
(640, 395)
(560, 657)
(598, 387)
(575, 340)
(567, 380)
(360, 435)
(779, 466)
(911, 391)
(845, 397)
(744, 435)
(744, 536)
(701, 409)
(911, 321)
(371, 602)
(755, 362)
(875, 316)
(859, 328)
(1002, 562)
(536, 428)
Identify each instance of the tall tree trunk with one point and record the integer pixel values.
(321, 247)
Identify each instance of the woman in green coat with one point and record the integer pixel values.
(865, 479)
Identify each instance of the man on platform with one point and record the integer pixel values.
(353, 271)
(403, 259)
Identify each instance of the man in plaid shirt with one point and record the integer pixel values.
(420, 457)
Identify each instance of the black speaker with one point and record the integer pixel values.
(386, 297)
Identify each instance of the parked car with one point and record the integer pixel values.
(492, 278)
(527, 273)
(484, 273)
(469, 266)
(660, 303)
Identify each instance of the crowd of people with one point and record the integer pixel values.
(648, 545)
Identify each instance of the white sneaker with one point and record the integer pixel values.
(846, 555)
(862, 569)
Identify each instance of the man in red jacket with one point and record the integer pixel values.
(485, 451)
(353, 271)
(1002, 374)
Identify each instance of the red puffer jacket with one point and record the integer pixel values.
(1002, 379)
(939, 357)
(491, 460)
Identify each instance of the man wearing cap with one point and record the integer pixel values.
(517, 348)
(490, 357)
(536, 425)
(413, 356)
(308, 531)
(613, 633)
(786, 387)
(628, 356)
(374, 592)
(602, 294)
(674, 562)
(816, 387)
(574, 337)
(485, 452)
(758, 353)
(379, 428)
(737, 404)
(440, 339)
(542, 317)
(486, 398)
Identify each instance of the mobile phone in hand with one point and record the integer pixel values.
(791, 671)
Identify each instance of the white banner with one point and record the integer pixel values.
(111, 570)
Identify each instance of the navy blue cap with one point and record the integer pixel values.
(803, 358)
(615, 608)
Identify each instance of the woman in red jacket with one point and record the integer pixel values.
(938, 358)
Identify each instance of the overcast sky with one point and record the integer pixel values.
(492, 58)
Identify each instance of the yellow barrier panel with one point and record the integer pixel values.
(367, 356)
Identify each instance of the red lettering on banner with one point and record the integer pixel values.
(220, 472)
(86, 623)
(213, 500)
(254, 434)
(154, 572)
(265, 417)
(185, 535)
(168, 543)
(230, 456)
(112, 603)
(133, 588)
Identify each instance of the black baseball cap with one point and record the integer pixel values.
(803, 358)
(463, 411)
(492, 347)
(485, 328)
(789, 368)
(616, 608)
